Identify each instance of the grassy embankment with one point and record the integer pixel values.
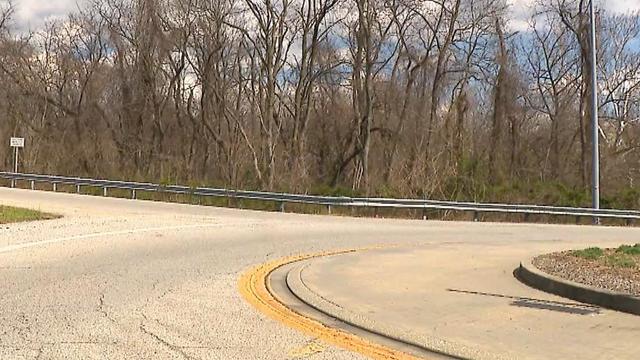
(10, 214)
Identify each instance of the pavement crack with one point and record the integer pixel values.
(101, 309)
(175, 348)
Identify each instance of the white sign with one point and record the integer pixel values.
(17, 142)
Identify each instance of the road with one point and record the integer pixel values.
(121, 279)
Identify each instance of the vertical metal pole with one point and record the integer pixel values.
(15, 165)
(595, 162)
(104, 191)
(55, 187)
(33, 185)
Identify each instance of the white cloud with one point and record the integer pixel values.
(31, 14)
(623, 5)
(521, 10)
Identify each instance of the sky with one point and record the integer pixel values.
(31, 14)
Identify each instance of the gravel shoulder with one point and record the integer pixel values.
(600, 272)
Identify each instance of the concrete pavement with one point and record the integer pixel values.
(462, 299)
(119, 279)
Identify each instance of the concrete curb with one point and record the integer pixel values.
(530, 275)
(438, 346)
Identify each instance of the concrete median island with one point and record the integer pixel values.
(607, 277)
(418, 297)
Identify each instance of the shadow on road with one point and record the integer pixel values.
(559, 306)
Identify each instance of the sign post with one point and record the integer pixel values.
(16, 143)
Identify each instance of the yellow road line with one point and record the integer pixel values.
(255, 289)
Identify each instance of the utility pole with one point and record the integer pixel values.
(595, 161)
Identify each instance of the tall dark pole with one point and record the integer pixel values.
(595, 161)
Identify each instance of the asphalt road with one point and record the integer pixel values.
(123, 279)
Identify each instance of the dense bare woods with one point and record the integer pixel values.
(401, 97)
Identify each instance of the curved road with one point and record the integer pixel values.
(122, 279)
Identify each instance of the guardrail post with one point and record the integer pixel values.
(577, 220)
(13, 183)
(281, 206)
(375, 212)
(329, 209)
(629, 222)
(78, 189)
(55, 187)
(475, 216)
(133, 194)
(424, 213)
(33, 185)
(104, 191)
(526, 217)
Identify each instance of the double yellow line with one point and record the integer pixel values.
(255, 288)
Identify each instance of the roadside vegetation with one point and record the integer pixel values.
(330, 97)
(10, 214)
(625, 256)
(614, 269)
(260, 205)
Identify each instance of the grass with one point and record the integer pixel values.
(10, 214)
(591, 253)
(629, 250)
(620, 261)
(625, 256)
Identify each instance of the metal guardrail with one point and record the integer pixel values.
(329, 201)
